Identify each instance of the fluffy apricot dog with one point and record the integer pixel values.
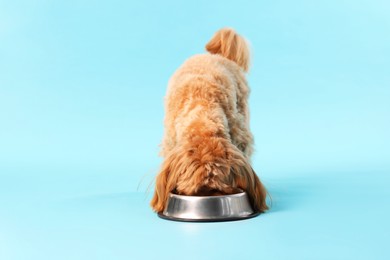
(207, 143)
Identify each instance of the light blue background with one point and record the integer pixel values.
(81, 110)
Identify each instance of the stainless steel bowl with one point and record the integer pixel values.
(208, 208)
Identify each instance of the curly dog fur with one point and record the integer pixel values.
(207, 143)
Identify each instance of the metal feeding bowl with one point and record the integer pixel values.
(208, 208)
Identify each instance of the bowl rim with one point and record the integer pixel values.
(242, 193)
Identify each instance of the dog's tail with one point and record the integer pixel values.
(206, 166)
(229, 44)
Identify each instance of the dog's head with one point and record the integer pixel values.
(215, 168)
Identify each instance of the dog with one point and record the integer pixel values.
(207, 143)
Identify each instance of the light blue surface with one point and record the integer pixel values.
(81, 91)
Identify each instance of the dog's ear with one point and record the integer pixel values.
(231, 45)
(165, 183)
(259, 193)
(247, 180)
(159, 197)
